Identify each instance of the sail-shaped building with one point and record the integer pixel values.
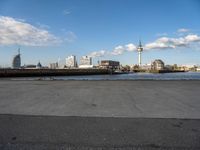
(16, 63)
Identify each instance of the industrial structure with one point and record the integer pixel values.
(16, 63)
(140, 49)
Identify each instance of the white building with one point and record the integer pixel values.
(53, 65)
(71, 61)
(146, 67)
(85, 62)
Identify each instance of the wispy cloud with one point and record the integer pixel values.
(161, 34)
(42, 26)
(15, 31)
(70, 36)
(66, 12)
(183, 30)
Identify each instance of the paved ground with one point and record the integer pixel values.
(146, 99)
(40, 132)
(99, 115)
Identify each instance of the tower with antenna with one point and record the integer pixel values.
(19, 51)
(140, 49)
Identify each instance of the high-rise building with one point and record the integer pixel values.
(85, 62)
(16, 63)
(140, 49)
(71, 61)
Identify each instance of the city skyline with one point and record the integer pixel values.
(169, 30)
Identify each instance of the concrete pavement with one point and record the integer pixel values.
(66, 115)
(146, 99)
(52, 133)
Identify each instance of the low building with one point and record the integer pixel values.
(145, 67)
(53, 65)
(169, 67)
(157, 64)
(109, 64)
(86, 66)
(30, 66)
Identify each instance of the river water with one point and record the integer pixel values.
(129, 76)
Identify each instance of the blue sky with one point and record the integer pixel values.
(105, 29)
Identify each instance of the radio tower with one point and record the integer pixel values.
(140, 49)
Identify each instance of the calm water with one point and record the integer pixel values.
(130, 76)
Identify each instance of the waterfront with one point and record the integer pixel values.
(128, 76)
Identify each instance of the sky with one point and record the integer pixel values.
(49, 31)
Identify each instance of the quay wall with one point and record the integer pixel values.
(50, 72)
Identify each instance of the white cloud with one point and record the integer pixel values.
(192, 38)
(121, 49)
(159, 44)
(98, 53)
(183, 30)
(171, 43)
(118, 50)
(15, 31)
(156, 45)
(131, 47)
